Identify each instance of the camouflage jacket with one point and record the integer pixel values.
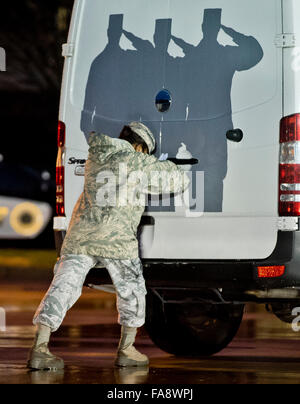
(106, 217)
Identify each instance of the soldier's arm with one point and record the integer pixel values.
(163, 176)
(248, 53)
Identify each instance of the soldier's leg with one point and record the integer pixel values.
(128, 279)
(66, 288)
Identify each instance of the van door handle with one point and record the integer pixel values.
(183, 162)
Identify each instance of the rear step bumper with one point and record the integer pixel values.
(234, 276)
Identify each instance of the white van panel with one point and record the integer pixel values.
(74, 184)
(245, 226)
(186, 24)
(184, 239)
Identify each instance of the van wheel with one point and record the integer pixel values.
(189, 327)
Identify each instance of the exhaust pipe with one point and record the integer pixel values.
(286, 293)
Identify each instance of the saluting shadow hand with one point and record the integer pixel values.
(237, 37)
(229, 31)
(126, 33)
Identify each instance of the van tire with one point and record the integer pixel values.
(187, 328)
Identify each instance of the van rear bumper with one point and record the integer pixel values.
(235, 277)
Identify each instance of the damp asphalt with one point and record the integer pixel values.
(265, 350)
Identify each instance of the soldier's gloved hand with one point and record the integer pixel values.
(164, 157)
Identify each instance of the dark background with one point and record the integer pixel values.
(32, 33)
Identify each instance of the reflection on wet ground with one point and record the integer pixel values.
(265, 350)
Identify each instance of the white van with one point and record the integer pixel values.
(222, 77)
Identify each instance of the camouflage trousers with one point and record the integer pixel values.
(66, 288)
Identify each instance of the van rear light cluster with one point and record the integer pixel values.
(289, 172)
(60, 171)
(60, 193)
(271, 272)
(61, 134)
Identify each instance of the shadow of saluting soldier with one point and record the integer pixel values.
(154, 64)
(157, 70)
(209, 69)
(109, 83)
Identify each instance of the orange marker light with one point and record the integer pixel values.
(271, 272)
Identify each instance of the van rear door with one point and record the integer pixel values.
(219, 63)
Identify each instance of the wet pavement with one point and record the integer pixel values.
(264, 351)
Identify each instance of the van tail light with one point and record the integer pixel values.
(61, 134)
(289, 171)
(60, 171)
(271, 271)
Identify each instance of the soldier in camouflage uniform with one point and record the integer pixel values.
(103, 230)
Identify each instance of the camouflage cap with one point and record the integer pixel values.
(145, 133)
